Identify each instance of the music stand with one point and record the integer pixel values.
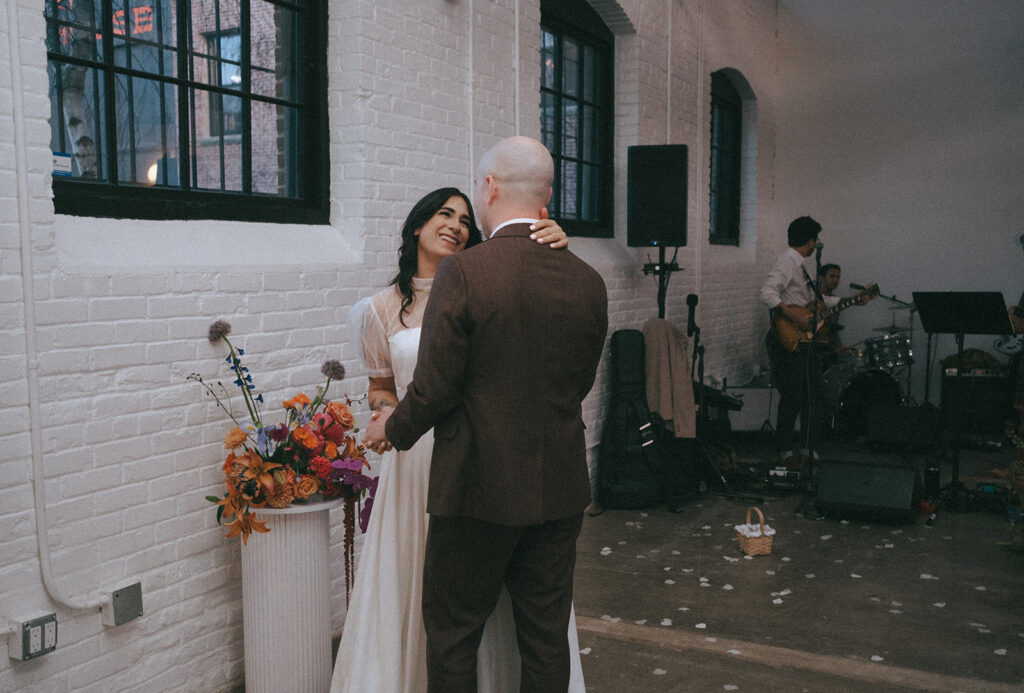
(959, 313)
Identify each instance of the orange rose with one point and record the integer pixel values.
(341, 414)
(307, 486)
(305, 437)
(330, 450)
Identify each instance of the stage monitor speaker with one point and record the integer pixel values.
(878, 491)
(656, 195)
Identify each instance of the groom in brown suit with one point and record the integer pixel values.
(511, 340)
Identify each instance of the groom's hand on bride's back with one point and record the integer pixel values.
(375, 438)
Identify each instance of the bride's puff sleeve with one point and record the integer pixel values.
(375, 351)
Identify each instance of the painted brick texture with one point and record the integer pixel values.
(129, 448)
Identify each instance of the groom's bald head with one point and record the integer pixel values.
(513, 180)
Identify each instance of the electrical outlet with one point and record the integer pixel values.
(31, 638)
(35, 640)
(50, 635)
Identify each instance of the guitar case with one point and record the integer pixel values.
(627, 462)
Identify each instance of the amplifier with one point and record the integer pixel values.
(981, 402)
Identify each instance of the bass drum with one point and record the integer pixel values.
(852, 396)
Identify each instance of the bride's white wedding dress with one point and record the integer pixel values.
(383, 646)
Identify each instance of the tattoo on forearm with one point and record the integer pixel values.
(378, 403)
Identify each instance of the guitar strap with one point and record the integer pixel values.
(810, 284)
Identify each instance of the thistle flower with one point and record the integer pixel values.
(218, 331)
(333, 369)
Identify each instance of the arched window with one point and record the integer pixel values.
(726, 159)
(577, 54)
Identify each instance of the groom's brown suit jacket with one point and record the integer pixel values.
(511, 340)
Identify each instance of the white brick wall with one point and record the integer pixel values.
(121, 308)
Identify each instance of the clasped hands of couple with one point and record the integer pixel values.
(375, 437)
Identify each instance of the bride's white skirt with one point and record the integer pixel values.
(383, 647)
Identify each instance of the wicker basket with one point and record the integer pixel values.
(759, 545)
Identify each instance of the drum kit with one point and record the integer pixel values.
(874, 372)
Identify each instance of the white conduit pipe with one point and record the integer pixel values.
(470, 188)
(28, 297)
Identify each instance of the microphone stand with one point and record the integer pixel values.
(810, 421)
(711, 469)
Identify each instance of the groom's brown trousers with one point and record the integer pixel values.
(534, 562)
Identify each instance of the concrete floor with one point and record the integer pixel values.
(668, 602)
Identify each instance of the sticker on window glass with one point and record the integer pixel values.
(61, 164)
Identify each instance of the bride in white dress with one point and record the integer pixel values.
(383, 646)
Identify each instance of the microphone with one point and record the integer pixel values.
(691, 327)
(858, 287)
(817, 247)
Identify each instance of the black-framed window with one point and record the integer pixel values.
(577, 99)
(189, 109)
(726, 160)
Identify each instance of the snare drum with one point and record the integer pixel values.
(889, 351)
(852, 395)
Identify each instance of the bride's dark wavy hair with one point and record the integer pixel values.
(419, 215)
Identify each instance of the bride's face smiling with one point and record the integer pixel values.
(446, 232)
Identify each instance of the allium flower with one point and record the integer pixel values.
(333, 369)
(218, 331)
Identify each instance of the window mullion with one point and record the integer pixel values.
(185, 96)
(109, 92)
(246, 69)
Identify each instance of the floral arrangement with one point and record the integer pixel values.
(312, 454)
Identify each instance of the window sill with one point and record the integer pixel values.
(88, 245)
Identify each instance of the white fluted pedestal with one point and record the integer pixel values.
(286, 601)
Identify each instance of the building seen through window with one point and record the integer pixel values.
(576, 114)
(189, 108)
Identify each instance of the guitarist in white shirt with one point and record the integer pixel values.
(787, 293)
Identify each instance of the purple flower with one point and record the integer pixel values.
(360, 482)
(364, 516)
(333, 369)
(348, 464)
(218, 331)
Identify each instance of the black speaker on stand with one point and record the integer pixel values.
(656, 198)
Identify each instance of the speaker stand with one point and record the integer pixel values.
(664, 272)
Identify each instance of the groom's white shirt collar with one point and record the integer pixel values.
(511, 221)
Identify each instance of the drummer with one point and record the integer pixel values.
(828, 282)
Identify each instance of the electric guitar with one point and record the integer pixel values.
(792, 336)
(1011, 344)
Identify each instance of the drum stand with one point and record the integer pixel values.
(961, 313)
